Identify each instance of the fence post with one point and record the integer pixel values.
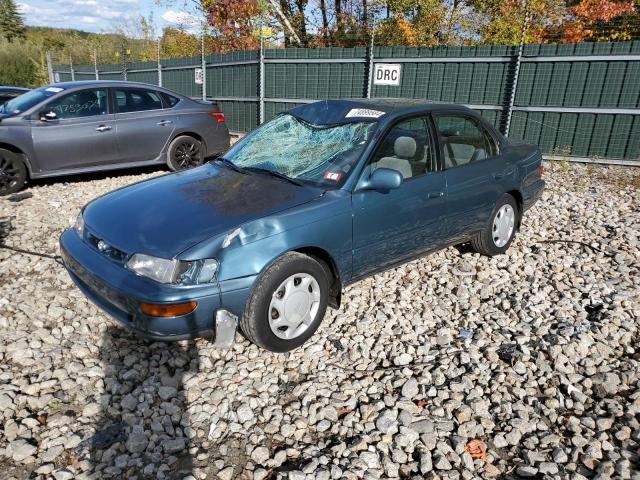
(159, 65)
(204, 65)
(50, 67)
(95, 63)
(73, 72)
(371, 65)
(261, 77)
(124, 63)
(516, 72)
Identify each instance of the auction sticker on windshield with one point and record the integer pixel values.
(334, 176)
(363, 112)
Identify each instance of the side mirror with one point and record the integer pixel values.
(383, 179)
(48, 116)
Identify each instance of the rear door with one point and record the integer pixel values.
(81, 135)
(393, 226)
(472, 169)
(143, 126)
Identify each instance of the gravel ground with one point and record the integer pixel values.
(453, 366)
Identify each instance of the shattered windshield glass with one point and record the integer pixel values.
(316, 154)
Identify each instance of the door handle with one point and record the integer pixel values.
(103, 128)
(164, 122)
(435, 195)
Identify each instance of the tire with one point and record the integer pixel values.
(262, 315)
(491, 241)
(13, 172)
(184, 152)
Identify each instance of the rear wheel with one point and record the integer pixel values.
(13, 172)
(184, 152)
(497, 237)
(287, 303)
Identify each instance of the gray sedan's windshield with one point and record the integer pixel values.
(30, 99)
(291, 147)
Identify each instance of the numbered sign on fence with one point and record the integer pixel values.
(198, 76)
(387, 74)
(56, 77)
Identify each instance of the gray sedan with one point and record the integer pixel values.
(78, 127)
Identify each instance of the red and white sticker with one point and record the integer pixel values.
(334, 176)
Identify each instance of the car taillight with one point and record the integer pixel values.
(219, 116)
(540, 170)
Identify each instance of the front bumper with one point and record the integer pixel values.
(119, 293)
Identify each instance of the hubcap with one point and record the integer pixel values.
(503, 224)
(187, 154)
(294, 306)
(9, 174)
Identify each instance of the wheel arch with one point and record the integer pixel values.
(18, 151)
(517, 195)
(189, 133)
(331, 268)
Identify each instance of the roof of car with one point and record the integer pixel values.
(85, 83)
(332, 112)
(13, 89)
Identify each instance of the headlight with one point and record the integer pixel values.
(79, 225)
(174, 271)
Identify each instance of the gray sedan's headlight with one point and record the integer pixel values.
(78, 226)
(173, 271)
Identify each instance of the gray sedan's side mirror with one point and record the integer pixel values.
(48, 116)
(382, 179)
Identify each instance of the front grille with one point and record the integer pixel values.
(104, 248)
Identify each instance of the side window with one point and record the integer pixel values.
(137, 100)
(407, 148)
(169, 100)
(463, 140)
(84, 103)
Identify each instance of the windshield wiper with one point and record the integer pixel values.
(229, 164)
(273, 173)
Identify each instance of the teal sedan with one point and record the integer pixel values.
(265, 237)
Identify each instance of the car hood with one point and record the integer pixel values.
(166, 215)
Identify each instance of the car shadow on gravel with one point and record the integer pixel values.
(142, 429)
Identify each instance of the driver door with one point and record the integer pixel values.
(82, 134)
(396, 225)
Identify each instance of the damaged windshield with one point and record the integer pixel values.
(316, 154)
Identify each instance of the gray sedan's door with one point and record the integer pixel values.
(82, 134)
(143, 127)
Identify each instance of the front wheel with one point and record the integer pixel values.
(184, 152)
(496, 238)
(287, 303)
(13, 172)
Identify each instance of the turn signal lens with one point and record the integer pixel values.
(219, 116)
(174, 310)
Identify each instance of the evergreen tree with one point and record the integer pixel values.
(11, 23)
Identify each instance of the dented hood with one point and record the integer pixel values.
(166, 215)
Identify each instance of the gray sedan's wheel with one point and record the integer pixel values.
(184, 152)
(498, 235)
(287, 303)
(13, 172)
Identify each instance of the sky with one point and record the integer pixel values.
(101, 16)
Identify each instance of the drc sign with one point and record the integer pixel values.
(387, 74)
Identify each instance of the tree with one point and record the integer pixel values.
(595, 20)
(11, 24)
(178, 43)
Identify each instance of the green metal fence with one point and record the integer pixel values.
(579, 101)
